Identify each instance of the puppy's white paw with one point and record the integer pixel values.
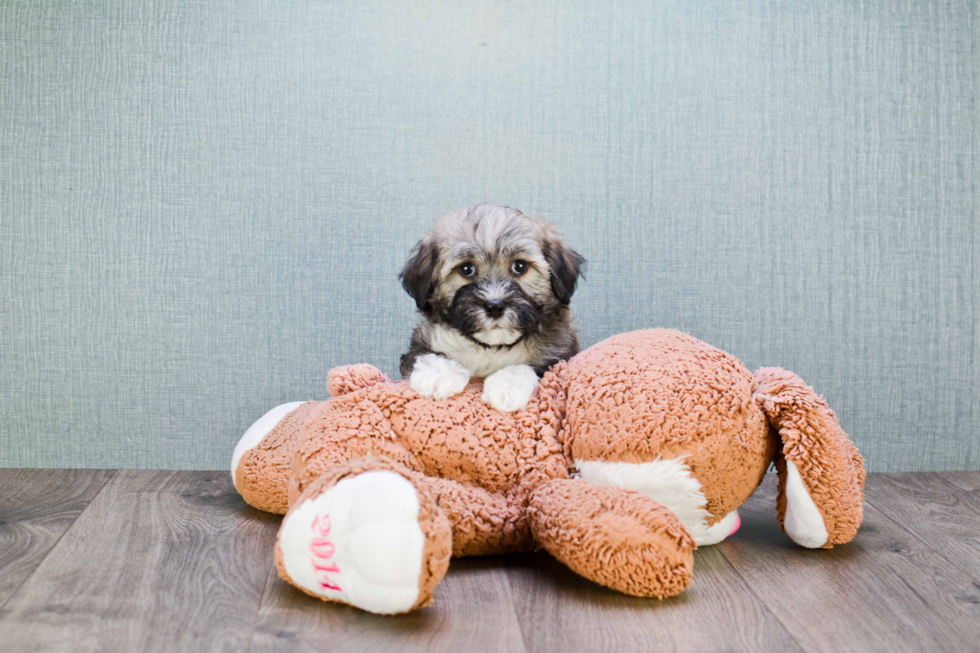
(438, 377)
(510, 389)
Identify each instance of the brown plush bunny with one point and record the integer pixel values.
(628, 456)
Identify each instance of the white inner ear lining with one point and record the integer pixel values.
(803, 522)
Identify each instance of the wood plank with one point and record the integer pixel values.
(884, 591)
(937, 512)
(37, 506)
(472, 611)
(160, 561)
(560, 611)
(969, 482)
(176, 561)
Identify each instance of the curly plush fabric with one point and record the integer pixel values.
(263, 472)
(348, 378)
(622, 540)
(505, 481)
(831, 467)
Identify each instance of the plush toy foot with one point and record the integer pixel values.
(263, 458)
(510, 389)
(369, 540)
(438, 377)
(257, 431)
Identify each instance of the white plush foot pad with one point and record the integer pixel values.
(802, 521)
(359, 542)
(510, 389)
(438, 377)
(257, 432)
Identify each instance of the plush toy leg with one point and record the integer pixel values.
(340, 430)
(263, 458)
(367, 534)
(821, 474)
(616, 537)
(483, 523)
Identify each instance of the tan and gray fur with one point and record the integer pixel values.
(493, 286)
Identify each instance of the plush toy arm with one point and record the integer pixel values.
(616, 537)
(821, 474)
(543, 454)
(483, 523)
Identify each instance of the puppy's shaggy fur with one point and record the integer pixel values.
(493, 287)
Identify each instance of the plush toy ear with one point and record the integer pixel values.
(821, 473)
(565, 264)
(419, 274)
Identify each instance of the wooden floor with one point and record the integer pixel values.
(175, 561)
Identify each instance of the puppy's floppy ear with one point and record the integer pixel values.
(566, 266)
(419, 274)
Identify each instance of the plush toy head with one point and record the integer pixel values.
(662, 412)
(627, 457)
(642, 406)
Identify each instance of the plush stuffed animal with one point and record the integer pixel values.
(628, 456)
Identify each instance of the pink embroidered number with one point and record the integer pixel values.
(322, 549)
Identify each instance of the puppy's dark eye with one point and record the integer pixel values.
(466, 270)
(518, 267)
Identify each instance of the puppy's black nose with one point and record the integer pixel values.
(495, 307)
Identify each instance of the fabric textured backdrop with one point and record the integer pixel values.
(204, 206)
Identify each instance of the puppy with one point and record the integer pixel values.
(493, 286)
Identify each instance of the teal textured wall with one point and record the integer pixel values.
(203, 206)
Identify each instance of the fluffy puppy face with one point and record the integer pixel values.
(491, 272)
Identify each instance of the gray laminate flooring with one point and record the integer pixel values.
(94, 560)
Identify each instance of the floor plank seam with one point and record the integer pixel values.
(54, 546)
(513, 606)
(258, 609)
(762, 602)
(923, 542)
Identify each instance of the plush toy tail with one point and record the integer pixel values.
(349, 378)
(821, 473)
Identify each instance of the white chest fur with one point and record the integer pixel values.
(670, 483)
(480, 361)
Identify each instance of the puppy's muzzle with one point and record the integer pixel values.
(495, 308)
